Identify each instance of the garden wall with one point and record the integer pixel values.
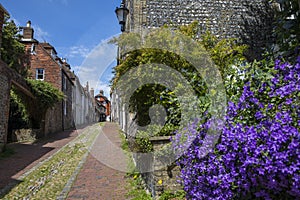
(7, 78)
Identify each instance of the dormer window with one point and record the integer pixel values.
(53, 54)
(32, 49)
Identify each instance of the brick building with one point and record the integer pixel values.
(248, 20)
(103, 105)
(45, 65)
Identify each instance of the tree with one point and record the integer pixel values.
(12, 51)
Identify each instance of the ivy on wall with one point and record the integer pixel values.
(46, 94)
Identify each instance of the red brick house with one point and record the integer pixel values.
(103, 105)
(45, 65)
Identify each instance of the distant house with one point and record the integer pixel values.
(45, 65)
(84, 106)
(103, 105)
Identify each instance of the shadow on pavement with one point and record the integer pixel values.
(28, 154)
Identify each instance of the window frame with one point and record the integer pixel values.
(37, 74)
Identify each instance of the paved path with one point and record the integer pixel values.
(102, 176)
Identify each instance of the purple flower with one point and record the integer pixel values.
(254, 158)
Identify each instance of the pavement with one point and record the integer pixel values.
(98, 178)
(102, 176)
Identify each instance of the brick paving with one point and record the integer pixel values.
(102, 176)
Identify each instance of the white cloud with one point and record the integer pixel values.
(80, 50)
(96, 68)
(40, 34)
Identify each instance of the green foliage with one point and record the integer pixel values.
(46, 94)
(137, 190)
(155, 59)
(142, 142)
(145, 58)
(12, 51)
(101, 123)
(191, 30)
(287, 29)
(224, 52)
(19, 117)
(169, 195)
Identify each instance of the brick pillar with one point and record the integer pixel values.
(4, 108)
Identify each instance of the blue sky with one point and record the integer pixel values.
(79, 31)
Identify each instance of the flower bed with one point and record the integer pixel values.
(258, 154)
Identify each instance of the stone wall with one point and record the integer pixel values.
(53, 120)
(4, 108)
(158, 168)
(165, 174)
(248, 20)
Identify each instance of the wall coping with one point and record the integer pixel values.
(160, 138)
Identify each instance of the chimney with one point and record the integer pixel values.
(92, 91)
(87, 86)
(28, 31)
(101, 92)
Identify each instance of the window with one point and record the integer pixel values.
(64, 82)
(65, 107)
(40, 74)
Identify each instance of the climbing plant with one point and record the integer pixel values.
(18, 113)
(46, 94)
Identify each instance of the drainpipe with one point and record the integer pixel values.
(62, 104)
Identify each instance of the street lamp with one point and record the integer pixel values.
(122, 13)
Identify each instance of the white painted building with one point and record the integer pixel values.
(83, 104)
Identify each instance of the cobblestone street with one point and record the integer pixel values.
(94, 179)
